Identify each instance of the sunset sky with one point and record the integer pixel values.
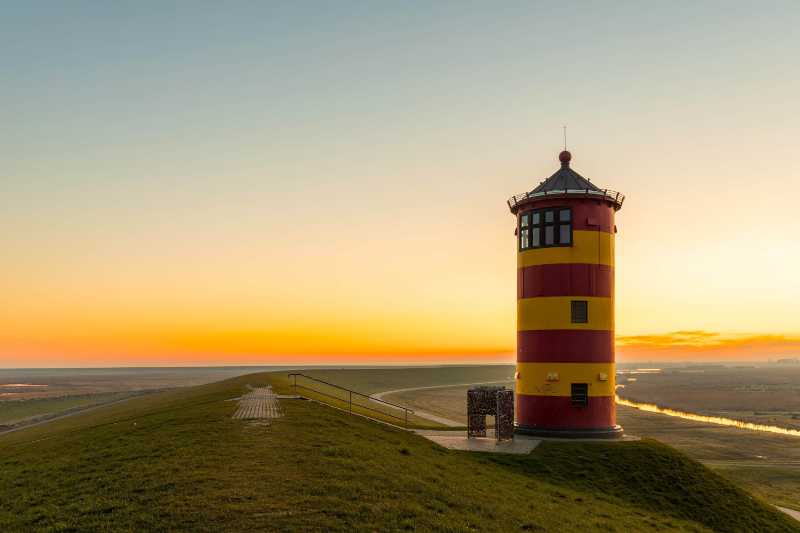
(237, 183)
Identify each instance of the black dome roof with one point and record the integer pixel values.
(565, 178)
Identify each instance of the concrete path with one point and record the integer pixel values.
(259, 403)
(791, 512)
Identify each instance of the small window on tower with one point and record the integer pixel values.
(580, 311)
(580, 394)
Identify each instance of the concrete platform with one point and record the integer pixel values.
(624, 438)
(457, 440)
(521, 445)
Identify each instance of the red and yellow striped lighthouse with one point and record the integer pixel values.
(565, 307)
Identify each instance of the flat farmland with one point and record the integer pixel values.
(764, 394)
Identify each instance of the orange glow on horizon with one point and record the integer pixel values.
(222, 346)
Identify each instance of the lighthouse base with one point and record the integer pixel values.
(614, 432)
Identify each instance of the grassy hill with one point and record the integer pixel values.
(176, 461)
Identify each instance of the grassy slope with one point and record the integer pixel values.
(177, 461)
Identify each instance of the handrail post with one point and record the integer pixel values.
(351, 402)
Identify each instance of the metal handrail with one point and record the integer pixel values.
(607, 194)
(406, 410)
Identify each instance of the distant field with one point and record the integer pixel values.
(766, 394)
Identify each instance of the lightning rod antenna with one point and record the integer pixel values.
(565, 137)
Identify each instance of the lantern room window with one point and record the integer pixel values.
(544, 228)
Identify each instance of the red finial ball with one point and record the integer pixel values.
(564, 156)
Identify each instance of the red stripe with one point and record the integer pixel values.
(565, 346)
(557, 412)
(565, 279)
(586, 214)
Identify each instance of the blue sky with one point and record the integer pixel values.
(198, 148)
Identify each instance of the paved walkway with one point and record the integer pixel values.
(259, 403)
(791, 512)
(457, 440)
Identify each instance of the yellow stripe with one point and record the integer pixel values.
(555, 312)
(554, 379)
(594, 247)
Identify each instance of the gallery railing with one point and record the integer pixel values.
(606, 194)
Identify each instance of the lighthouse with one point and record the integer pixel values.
(565, 307)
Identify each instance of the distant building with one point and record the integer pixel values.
(565, 307)
(789, 361)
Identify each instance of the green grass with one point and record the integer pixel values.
(176, 461)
